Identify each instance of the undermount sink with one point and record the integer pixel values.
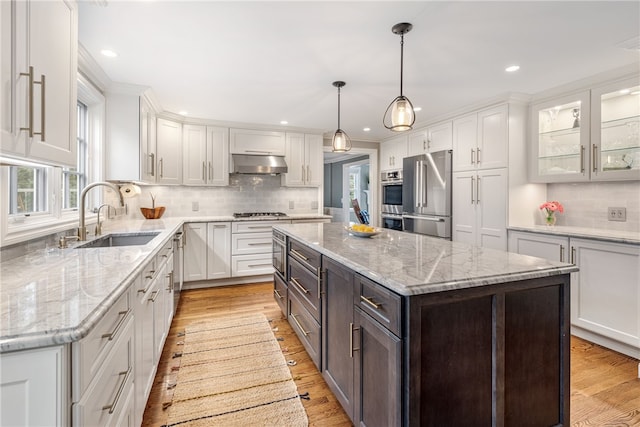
(119, 239)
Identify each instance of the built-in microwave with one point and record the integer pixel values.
(391, 192)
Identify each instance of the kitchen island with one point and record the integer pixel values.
(426, 332)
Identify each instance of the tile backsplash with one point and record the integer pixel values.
(245, 193)
(586, 204)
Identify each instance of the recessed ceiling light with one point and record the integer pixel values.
(284, 122)
(624, 91)
(108, 53)
(512, 68)
(416, 109)
(366, 129)
(183, 113)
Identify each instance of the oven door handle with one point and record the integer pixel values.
(426, 218)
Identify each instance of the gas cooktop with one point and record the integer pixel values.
(258, 214)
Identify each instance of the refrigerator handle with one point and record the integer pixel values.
(417, 190)
(423, 167)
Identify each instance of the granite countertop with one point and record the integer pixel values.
(412, 264)
(614, 236)
(55, 296)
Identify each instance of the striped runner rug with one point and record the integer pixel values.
(233, 373)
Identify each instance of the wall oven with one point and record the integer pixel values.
(280, 253)
(391, 192)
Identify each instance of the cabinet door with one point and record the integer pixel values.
(31, 387)
(392, 152)
(195, 251)
(194, 155)
(463, 207)
(615, 131)
(313, 156)
(493, 148)
(491, 209)
(296, 160)
(218, 250)
(605, 295)
(417, 143)
(217, 156)
(553, 248)
(337, 332)
(247, 141)
(53, 36)
(440, 137)
(144, 367)
(167, 280)
(147, 142)
(159, 324)
(465, 131)
(169, 152)
(378, 375)
(560, 139)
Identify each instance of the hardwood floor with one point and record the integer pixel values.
(605, 390)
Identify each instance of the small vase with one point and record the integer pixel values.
(550, 220)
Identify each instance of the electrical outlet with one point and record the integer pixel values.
(291, 204)
(195, 206)
(617, 214)
(314, 205)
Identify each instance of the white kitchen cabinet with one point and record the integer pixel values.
(168, 152)
(252, 248)
(218, 250)
(144, 357)
(480, 140)
(33, 387)
(480, 208)
(195, 251)
(39, 80)
(257, 142)
(605, 292)
(205, 151)
(392, 152)
(304, 160)
(147, 141)
(434, 138)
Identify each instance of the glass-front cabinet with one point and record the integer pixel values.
(615, 130)
(589, 135)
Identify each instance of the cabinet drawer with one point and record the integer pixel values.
(252, 226)
(148, 274)
(380, 303)
(306, 285)
(280, 292)
(306, 327)
(89, 354)
(164, 253)
(307, 256)
(251, 243)
(108, 393)
(251, 265)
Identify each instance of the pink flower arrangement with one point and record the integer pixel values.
(550, 209)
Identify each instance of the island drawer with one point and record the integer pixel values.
(306, 285)
(280, 292)
(307, 257)
(306, 327)
(89, 354)
(252, 226)
(380, 303)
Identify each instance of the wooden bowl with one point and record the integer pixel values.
(152, 213)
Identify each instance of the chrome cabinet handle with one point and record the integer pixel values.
(161, 167)
(371, 302)
(260, 244)
(154, 295)
(582, 159)
(573, 255)
(275, 291)
(308, 174)
(43, 108)
(32, 82)
(210, 171)
(295, 319)
(478, 190)
(594, 160)
(111, 335)
(320, 276)
(204, 171)
(260, 265)
(29, 127)
(257, 151)
(112, 406)
(472, 187)
(302, 288)
(561, 253)
(351, 349)
(293, 251)
(473, 159)
(477, 155)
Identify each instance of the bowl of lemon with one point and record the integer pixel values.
(363, 230)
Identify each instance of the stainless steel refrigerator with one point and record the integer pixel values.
(426, 194)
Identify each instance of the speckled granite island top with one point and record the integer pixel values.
(412, 264)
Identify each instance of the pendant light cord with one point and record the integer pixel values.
(338, 107)
(401, 60)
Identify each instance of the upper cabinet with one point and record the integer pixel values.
(480, 140)
(205, 152)
(392, 152)
(434, 138)
(590, 135)
(256, 142)
(168, 152)
(39, 88)
(304, 160)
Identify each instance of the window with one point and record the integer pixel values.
(75, 179)
(27, 190)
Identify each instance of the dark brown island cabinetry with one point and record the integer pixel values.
(489, 355)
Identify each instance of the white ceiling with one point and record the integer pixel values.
(263, 62)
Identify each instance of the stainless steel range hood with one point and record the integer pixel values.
(258, 165)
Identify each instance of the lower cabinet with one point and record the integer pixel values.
(251, 248)
(207, 252)
(605, 293)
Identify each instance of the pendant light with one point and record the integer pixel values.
(401, 110)
(341, 141)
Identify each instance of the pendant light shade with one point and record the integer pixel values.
(400, 115)
(341, 141)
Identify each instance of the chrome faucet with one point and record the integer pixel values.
(99, 224)
(82, 230)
